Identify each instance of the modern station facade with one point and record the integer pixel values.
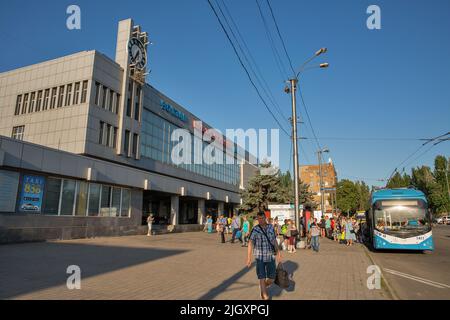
(85, 150)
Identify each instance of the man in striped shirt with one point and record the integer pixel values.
(263, 245)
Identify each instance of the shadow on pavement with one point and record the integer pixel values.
(290, 267)
(214, 292)
(27, 268)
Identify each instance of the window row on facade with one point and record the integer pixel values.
(156, 144)
(65, 197)
(48, 195)
(51, 98)
(107, 98)
(108, 135)
(134, 97)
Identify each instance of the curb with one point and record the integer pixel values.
(390, 290)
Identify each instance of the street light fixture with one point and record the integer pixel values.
(293, 87)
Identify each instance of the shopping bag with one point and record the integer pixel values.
(282, 277)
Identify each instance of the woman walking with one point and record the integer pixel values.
(209, 222)
(349, 232)
(292, 232)
(150, 220)
(245, 231)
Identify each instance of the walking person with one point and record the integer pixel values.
(315, 234)
(327, 227)
(322, 227)
(235, 227)
(150, 220)
(245, 231)
(349, 233)
(291, 234)
(221, 228)
(262, 244)
(209, 222)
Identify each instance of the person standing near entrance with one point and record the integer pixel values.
(150, 220)
(209, 222)
(263, 245)
(235, 226)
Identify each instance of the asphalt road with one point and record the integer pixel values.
(417, 275)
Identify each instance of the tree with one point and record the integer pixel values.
(363, 196)
(347, 196)
(399, 181)
(263, 189)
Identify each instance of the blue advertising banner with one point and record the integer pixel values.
(32, 194)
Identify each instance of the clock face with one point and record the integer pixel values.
(137, 54)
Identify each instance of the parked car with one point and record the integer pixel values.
(443, 220)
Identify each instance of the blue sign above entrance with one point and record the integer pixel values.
(174, 112)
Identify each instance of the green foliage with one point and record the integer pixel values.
(352, 196)
(399, 181)
(263, 189)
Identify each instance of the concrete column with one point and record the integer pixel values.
(201, 212)
(220, 208)
(174, 209)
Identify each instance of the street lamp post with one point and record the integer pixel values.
(292, 89)
(319, 155)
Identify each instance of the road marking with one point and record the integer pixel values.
(418, 279)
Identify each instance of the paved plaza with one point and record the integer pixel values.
(176, 266)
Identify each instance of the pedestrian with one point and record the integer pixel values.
(209, 222)
(322, 227)
(228, 228)
(349, 233)
(291, 234)
(150, 220)
(245, 231)
(335, 227)
(262, 244)
(327, 227)
(284, 229)
(308, 239)
(221, 228)
(315, 234)
(235, 227)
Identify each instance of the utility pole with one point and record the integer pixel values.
(319, 155)
(293, 83)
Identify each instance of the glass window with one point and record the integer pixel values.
(46, 98)
(102, 130)
(105, 206)
(53, 99)
(126, 143)
(68, 95)
(108, 134)
(97, 94)
(111, 100)
(84, 91)
(126, 197)
(18, 104)
(61, 96)
(130, 96)
(135, 143)
(25, 103)
(115, 207)
(137, 101)
(68, 197)
(82, 193)
(32, 102)
(94, 199)
(51, 197)
(17, 132)
(104, 96)
(39, 101)
(117, 103)
(114, 137)
(76, 94)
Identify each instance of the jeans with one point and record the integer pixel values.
(315, 243)
(234, 235)
(265, 270)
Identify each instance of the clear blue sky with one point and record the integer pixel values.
(388, 83)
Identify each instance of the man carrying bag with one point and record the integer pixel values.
(263, 245)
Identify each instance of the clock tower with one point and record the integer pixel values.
(131, 55)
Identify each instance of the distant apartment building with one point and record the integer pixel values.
(311, 175)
